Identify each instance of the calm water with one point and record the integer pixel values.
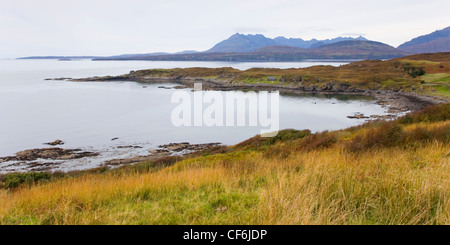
(89, 115)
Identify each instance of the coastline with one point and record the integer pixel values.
(402, 84)
(395, 101)
(398, 99)
(57, 159)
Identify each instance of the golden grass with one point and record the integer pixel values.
(394, 172)
(398, 185)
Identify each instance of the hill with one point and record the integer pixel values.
(240, 47)
(122, 56)
(240, 43)
(59, 57)
(136, 55)
(357, 49)
(354, 49)
(426, 58)
(438, 41)
(426, 74)
(280, 49)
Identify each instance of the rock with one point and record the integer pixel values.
(59, 79)
(176, 146)
(131, 160)
(179, 87)
(164, 87)
(166, 150)
(158, 151)
(397, 109)
(56, 142)
(129, 147)
(40, 165)
(358, 116)
(49, 153)
(383, 117)
(125, 146)
(185, 146)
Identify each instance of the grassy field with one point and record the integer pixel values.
(380, 173)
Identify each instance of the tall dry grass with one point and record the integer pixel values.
(310, 179)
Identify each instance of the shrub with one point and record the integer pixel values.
(167, 161)
(422, 134)
(391, 134)
(16, 179)
(278, 152)
(388, 134)
(435, 113)
(441, 133)
(356, 144)
(414, 71)
(317, 141)
(289, 134)
(220, 149)
(252, 142)
(283, 135)
(144, 167)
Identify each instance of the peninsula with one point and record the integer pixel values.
(406, 83)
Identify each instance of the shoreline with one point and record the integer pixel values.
(395, 101)
(57, 158)
(49, 159)
(402, 84)
(401, 93)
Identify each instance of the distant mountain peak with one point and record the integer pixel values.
(241, 43)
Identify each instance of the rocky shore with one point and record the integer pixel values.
(43, 159)
(164, 151)
(395, 101)
(389, 82)
(48, 153)
(52, 159)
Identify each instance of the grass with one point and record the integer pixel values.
(442, 90)
(259, 80)
(436, 78)
(379, 173)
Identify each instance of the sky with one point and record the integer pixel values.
(112, 27)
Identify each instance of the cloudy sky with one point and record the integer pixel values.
(109, 27)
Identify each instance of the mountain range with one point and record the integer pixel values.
(352, 49)
(438, 41)
(240, 47)
(240, 43)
